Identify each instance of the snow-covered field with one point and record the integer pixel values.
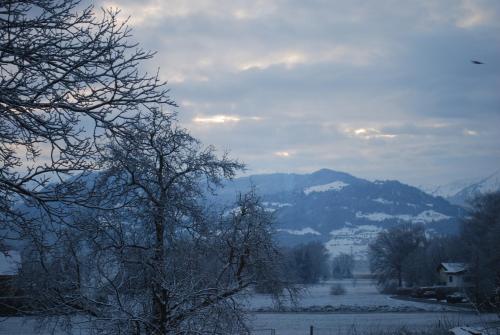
(324, 324)
(356, 323)
(361, 294)
(361, 309)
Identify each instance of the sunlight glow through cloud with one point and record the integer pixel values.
(470, 132)
(282, 154)
(289, 60)
(368, 133)
(220, 118)
(217, 119)
(473, 15)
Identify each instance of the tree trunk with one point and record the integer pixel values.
(159, 294)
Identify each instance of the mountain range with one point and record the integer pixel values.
(340, 210)
(460, 192)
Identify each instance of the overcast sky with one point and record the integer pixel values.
(380, 89)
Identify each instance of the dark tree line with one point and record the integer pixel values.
(390, 252)
(342, 266)
(309, 264)
(481, 241)
(405, 256)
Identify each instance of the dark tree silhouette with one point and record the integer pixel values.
(68, 79)
(310, 261)
(387, 254)
(481, 235)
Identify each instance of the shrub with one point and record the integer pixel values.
(337, 289)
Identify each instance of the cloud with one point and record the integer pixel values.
(217, 119)
(372, 88)
(368, 133)
(153, 11)
(288, 59)
(470, 132)
(341, 54)
(473, 15)
(282, 154)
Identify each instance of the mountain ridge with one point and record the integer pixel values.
(341, 210)
(460, 192)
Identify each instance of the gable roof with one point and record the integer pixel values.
(453, 267)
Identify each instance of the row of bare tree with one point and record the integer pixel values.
(103, 191)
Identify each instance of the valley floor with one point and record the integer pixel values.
(361, 310)
(361, 295)
(362, 323)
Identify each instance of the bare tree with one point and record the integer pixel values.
(163, 165)
(391, 248)
(342, 266)
(160, 262)
(480, 235)
(68, 78)
(311, 262)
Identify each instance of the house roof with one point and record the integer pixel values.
(453, 267)
(9, 263)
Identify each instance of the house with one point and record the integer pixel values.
(454, 275)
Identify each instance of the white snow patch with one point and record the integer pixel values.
(424, 217)
(383, 201)
(430, 216)
(490, 184)
(277, 204)
(335, 186)
(450, 189)
(352, 240)
(379, 217)
(233, 211)
(303, 231)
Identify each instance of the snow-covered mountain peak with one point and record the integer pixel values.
(450, 189)
(341, 210)
(489, 184)
(334, 186)
(461, 191)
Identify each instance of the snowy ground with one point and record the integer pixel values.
(362, 309)
(361, 295)
(324, 324)
(349, 323)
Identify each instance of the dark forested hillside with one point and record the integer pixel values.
(340, 209)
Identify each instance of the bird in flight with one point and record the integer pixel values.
(476, 62)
